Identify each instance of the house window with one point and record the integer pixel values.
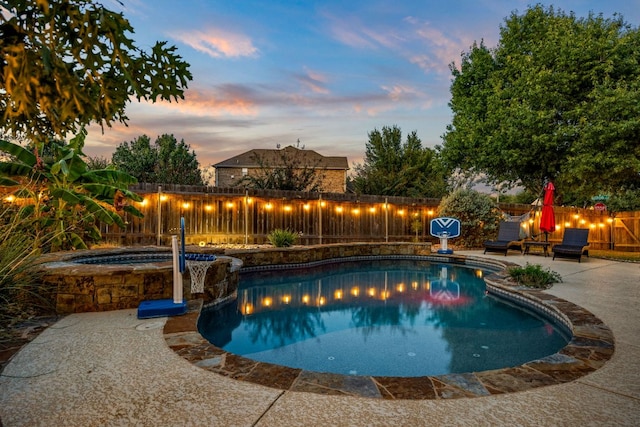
(245, 171)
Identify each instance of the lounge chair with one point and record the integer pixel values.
(574, 244)
(508, 238)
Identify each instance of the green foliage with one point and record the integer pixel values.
(166, 162)
(282, 238)
(522, 197)
(21, 294)
(478, 215)
(97, 162)
(67, 63)
(625, 200)
(392, 168)
(59, 198)
(291, 169)
(534, 276)
(416, 227)
(558, 98)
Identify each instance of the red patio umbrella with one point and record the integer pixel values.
(548, 219)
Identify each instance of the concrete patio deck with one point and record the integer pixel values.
(112, 369)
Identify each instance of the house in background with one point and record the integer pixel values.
(332, 171)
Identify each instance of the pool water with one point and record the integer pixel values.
(383, 318)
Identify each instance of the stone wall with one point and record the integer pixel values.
(77, 288)
(98, 287)
(302, 254)
(85, 291)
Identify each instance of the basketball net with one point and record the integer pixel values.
(198, 271)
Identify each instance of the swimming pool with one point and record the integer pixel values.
(402, 318)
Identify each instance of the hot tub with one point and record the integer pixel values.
(120, 278)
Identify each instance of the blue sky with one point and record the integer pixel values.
(326, 73)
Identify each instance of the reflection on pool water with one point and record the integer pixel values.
(380, 318)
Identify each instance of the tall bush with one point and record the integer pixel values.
(21, 293)
(478, 215)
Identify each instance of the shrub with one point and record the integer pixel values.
(534, 276)
(282, 238)
(478, 215)
(21, 293)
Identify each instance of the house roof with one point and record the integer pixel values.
(273, 158)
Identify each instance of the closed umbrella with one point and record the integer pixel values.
(548, 219)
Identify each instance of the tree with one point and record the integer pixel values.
(166, 162)
(478, 215)
(392, 168)
(558, 98)
(97, 162)
(176, 164)
(290, 168)
(67, 63)
(61, 199)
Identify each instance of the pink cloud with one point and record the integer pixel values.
(218, 43)
(351, 31)
(314, 81)
(440, 49)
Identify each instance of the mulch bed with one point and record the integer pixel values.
(14, 337)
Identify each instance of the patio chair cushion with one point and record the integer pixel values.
(508, 238)
(574, 244)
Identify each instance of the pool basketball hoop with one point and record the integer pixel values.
(445, 229)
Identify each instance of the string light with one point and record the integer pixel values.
(248, 308)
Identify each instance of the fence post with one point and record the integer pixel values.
(386, 219)
(320, 217)
(246, 217)
(159, 225)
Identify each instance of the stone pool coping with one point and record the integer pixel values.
(591, 346)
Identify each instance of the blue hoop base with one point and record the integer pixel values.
(161, 308)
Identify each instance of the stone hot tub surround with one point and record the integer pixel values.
(86, 287)
(116, 284)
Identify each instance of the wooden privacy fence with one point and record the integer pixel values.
(217, 216)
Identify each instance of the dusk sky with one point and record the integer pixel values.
(326, 73)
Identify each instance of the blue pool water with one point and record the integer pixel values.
(383, 318)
